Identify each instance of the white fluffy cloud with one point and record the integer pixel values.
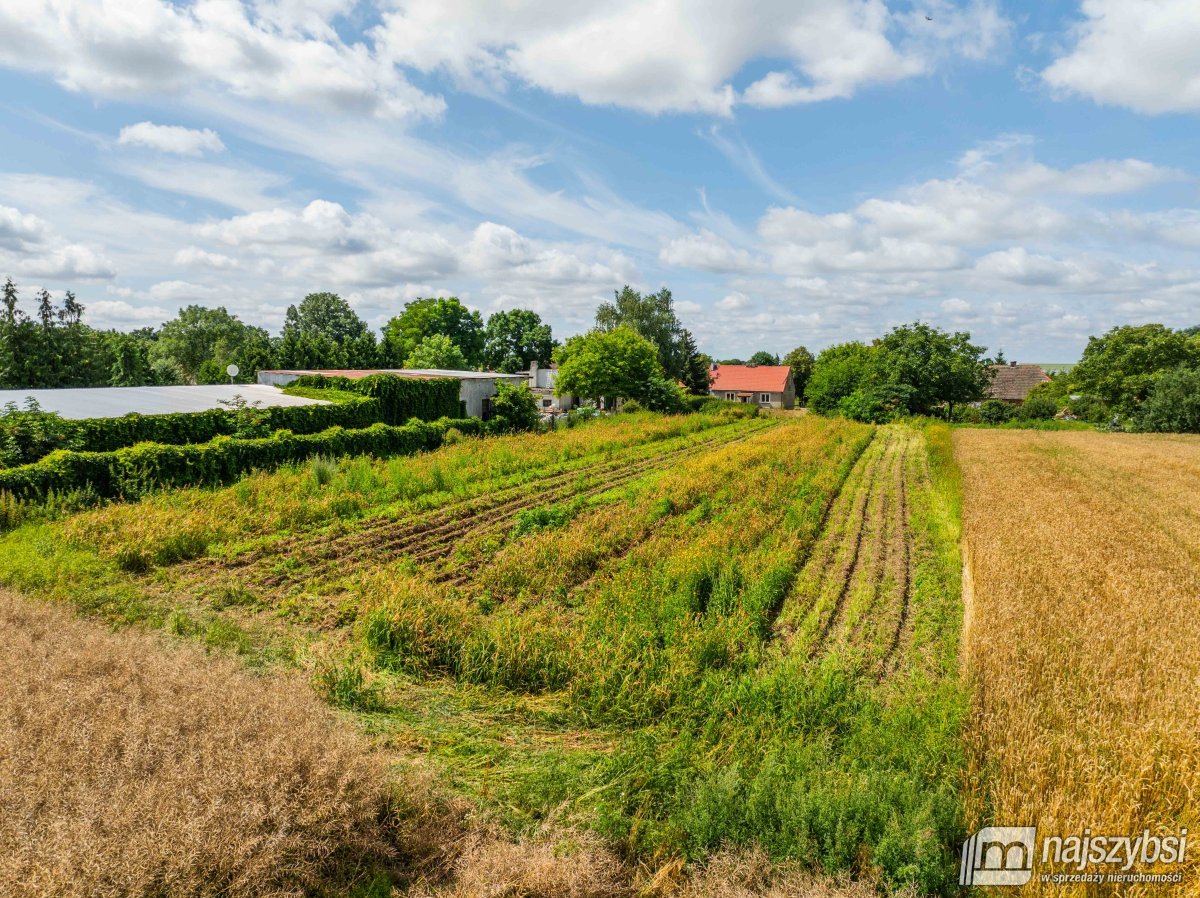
(682, 55)
(708, 252)
(172, 139)
(283, 52)
(28, 247)
(1135, 53)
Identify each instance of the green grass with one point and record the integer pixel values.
(648, 697)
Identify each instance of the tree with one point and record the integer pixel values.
(11, 312)
(762, 357)
(653, 317)
(515, 339)
(437, 351)
(837, 372)
(326, 314)
(423, 318)
(1122, 367)
(1173, 405)
(325, 332)
(199, 334)
(71, 312)
(939, 367)
(697, 370)
(130, 361)
(607, 365)
(45, 309)
(801, 361)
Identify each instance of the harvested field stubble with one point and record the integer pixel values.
(1083, 638)
(128, 767)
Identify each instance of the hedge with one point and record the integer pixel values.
(109, 434)
(400, 398)
(131, 471)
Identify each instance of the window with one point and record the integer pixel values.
(731, 396)
(764, 397)
(546, 403)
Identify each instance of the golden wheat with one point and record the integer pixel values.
(1083, 638)
(128, 767)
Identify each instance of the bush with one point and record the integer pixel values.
(30, 433)
(663, 395)
(631, 406)
(877, 405)
(514, 409)
(1090, 408)
(1173, 405)
(993, 411)
(1037, 408)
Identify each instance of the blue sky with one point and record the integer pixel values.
(797, 172)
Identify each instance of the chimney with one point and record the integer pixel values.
(714, 366)
(533, 371)
(1012, 364)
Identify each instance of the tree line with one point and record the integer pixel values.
(53, 347)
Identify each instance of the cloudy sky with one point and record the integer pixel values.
(797, 171)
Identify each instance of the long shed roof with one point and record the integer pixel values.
(113, 402)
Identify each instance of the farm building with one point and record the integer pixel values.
(476, 390)
(115, 402)
(1012, 382)
(769, 386)
(541, 381)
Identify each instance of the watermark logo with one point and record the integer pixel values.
(998, 856)
(1005, 856)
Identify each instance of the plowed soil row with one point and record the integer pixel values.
(427, 539)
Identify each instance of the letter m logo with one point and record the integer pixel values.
(998, 856)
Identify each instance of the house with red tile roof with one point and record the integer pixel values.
(1011, 382)
(768, 386)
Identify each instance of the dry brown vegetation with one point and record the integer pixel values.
(128, 767)
(1083, 637)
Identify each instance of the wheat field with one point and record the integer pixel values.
(1082, 638)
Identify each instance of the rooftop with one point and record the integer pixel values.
(417, 373)
(113, 402)
(1012, 382)
(753, 378)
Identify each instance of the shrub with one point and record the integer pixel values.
(30, 433)
(514, 409)
(1090, 408)
(877, 405)
(1173, 405)
(663, 395)
(1037, 408)
(632, 406)
(993, 411)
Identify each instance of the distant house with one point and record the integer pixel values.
(1012, 382)
(768, 386)
(541, 382)
(476, 388)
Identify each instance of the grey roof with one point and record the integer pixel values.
(113, 402)
(401, 372)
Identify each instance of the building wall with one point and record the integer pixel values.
(786, 399)
(473, 391)
(276, 378)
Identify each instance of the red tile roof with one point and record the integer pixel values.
(1013, 382)
(754, 378)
